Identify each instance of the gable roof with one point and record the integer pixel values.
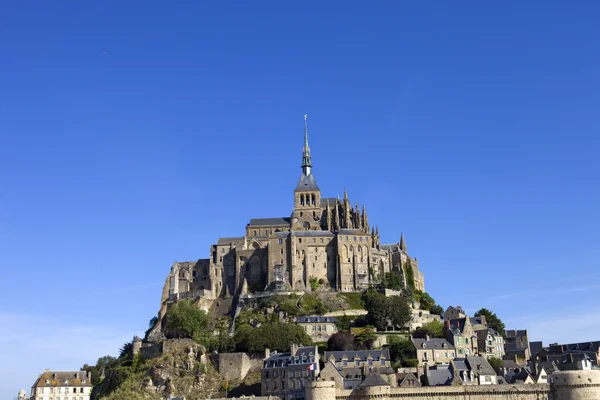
(439, 377)
(480, 365)
(434, 343)
(373, 379)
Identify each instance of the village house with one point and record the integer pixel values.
(318, 328)
(432, 351)
(460, 333)
(63, 385)
(490, 343)
(287, 374)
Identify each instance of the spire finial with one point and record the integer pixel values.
(402, 242)
(306, 163)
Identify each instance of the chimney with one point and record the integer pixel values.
(427, 337)
(267, 353)
(294, 349)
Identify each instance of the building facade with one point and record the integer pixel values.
(324, 239)
(433, 351)
(461, 334)
(69, 385)
(318, 328)
(490, 343)
(287, 374)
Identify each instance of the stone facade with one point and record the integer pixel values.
(490, 343)
(287, 374)
(235, 366)
(326, 241)
(432, 351)
(318, 328)
(461, 334)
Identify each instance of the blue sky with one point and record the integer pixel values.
(133, 135)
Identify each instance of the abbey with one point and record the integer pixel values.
(325, 241)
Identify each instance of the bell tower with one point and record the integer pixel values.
(307, 195)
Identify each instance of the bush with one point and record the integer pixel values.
(383, 311)
(434, 329)
(392, 281)
(354, 300)
(341, 341)
(274, 336)
(312, 305)
(185, 320)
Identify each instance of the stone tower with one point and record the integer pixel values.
(307, 195)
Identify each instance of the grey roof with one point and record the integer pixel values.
(373, 379)
(510, 364)
(280, 360)
(62, 378)
(432, 344)
(481, 365)
(363, 355)
(516, 333)
(227, 240)
(306, 182)
(460, 364)
(351, 373)
(329, 200)
(516, 376)
(316, 318)
(439, 377)
(269, 221)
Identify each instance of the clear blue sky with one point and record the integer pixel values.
(134, 135)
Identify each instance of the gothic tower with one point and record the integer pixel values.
(307, 196)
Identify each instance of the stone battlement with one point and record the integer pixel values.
(566, 385)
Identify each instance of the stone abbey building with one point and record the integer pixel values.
(323, 240)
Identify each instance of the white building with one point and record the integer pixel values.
(69, 385)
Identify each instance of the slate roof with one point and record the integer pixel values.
(439, 377)
(281, 360)
(373, 379)
(517, 377)
(269, 221)
(62, 378)
(510, 364)
(226, 241)
(363, 355)
(317, 319)
(351, 373)
(481, 365)
(329, 200)
(432, 344)
(306, 182)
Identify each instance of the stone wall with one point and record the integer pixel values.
(237, 365)
(567, 385)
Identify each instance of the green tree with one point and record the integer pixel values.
(185, 320)
(383, 311)
(365, 337)
(344, 322)
(341, 341)
(392, 281)
(401, 350)
(495, 362)
(151, 324)
(492, 320)
(275, 336)
(426, 302)
(409, 275)
(437, 309)
(434, 329)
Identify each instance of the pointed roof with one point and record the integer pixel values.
(402, 242)
(306, 162)
(373, 379)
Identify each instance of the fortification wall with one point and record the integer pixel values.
(237, 365)
(566, 385)
(576, 385)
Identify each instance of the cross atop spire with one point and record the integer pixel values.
(306, 163)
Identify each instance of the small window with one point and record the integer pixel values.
(360, 238)
(321, 240)
(281, 251)
(280, 241)
(299, 240)
(355, 238)
(314, 240)
(255, 233)
(316, 258)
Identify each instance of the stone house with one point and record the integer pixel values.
(454, 313)
(318, 328)
(433, 351)
(490, 343)
(65, 385)
(354, 365)
(516, 346)
(460, 333)
(482, 370)
(287, 374)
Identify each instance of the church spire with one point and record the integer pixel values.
(306, 163)
(402, 242)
